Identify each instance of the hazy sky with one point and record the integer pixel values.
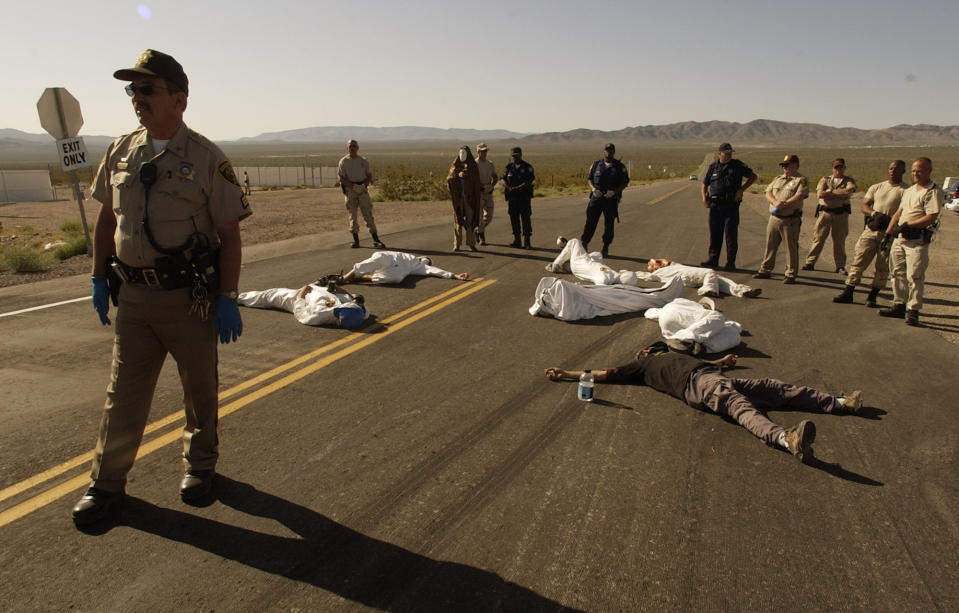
(530, 66)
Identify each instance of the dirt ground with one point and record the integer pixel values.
(277, 215)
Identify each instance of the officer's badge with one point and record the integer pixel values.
(185, 172)
(121, 165)
(226, 170)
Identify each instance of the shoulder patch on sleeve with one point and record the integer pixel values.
(226, 171)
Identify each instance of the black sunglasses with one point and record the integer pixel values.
(146, 89)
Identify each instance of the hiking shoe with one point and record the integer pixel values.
(753, 292)
(852, 402)
(808, 267)
(789, 281)
(799, 440)
(912, 317)
(896, 310)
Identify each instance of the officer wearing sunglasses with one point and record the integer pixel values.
(168, 238)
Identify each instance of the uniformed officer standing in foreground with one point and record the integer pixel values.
(832, 216)
(785, 195)
(912, 228)
(355, 179)
(723, 190)
(879, 205)
(488, 180)
(518, 184)
(607, 179)
(169, 223)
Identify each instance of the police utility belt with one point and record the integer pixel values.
(168, 273)
(846, 208)
(727, 198)
(788, 215)
(910, 234)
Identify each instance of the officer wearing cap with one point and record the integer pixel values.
(785, 195)
(723, 190)
(607, 179)
(169, 227)
(488, 180)
(910, 232)
(518, 182)
(832, 215)
(355, 179)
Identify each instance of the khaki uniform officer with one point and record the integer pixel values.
(832, 216)
(879, 205)
(170, 212)
(785, 196)
(909, 257)
(488, 180)
(355, 179)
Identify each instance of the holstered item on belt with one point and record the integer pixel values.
(878, 222)
(724, 199)
(114, 280)
(846, 208)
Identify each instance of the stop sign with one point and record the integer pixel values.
(59, 113)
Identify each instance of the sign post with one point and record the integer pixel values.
(60, 116)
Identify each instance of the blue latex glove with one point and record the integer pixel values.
(774, 210)
(227, 319)
(101, 298)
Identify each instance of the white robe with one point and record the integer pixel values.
(314, 309)
(688, 321)
(570, 301)
(586, 266)
(705, 279)
(394, 266)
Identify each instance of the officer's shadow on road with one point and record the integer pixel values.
(333, 557)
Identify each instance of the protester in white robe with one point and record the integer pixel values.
(570, 301)
(706, 279)
(311, 305)
(393, 267)
(693, 323)
(587, 266)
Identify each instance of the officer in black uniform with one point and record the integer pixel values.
(607, 179)
(518, 181)
(723, 190)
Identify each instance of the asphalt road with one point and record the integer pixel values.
(425, 463)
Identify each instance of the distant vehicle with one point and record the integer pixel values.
(693, 177)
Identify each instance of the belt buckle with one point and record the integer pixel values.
(150, 277)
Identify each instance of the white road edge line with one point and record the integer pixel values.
(44, 306)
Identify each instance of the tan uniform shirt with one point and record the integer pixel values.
(830, 183)
(885, 197)
(196, 190)
(486, 172)
(919, 201)
(354, 170)
(784, 188)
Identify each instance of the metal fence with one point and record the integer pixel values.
(288, 176)
(26, 186)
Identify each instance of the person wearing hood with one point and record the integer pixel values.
(464, 185)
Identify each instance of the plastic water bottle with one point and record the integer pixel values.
(585, 390)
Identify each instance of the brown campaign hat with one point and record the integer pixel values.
(156, 64)
(789, 159)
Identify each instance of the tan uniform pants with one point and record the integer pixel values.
(362, 202)
(908, 260)
(150, 324)
(486, 205)
(838, 225)
(867, 248)
(777, 231)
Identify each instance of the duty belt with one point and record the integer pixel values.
(842, 209)
(723, 198)
(171, 279)
(790, 216)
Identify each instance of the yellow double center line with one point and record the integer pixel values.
(667, 195)
(306, 364)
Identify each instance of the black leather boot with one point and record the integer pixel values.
(871, 298)
(377, 242)
(356, 240)
(846, 296)
(516, 242)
